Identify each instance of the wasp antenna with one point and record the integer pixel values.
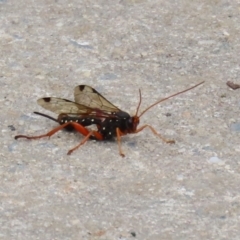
(140, 101)
(188, 89)
(46, 116)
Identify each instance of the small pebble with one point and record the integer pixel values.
(235, 127)
(214, 160)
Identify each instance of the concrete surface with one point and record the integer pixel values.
(189, 190)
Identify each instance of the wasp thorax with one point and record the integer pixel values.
(122, 115)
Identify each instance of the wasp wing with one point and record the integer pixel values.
(89, 97)
(60, 105)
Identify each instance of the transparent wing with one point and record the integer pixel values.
(60, 105)
(89, 97)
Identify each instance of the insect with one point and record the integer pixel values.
(91, 108)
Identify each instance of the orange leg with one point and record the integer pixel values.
(119, 134)
(92, 133)
(78, 127)
(155, 132)
(84, 131)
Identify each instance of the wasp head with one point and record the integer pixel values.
(135, 122)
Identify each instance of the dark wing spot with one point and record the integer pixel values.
(47, 99)
(81, 87)
(66, 100)
(94, 91)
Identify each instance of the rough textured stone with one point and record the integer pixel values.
(189, 190)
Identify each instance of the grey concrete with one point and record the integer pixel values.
(190, 190)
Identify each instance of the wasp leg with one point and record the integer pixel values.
(77, 126)
(154, 132)
(119, 134)
(95, 134)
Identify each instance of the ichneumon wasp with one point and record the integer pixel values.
(91, 108)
